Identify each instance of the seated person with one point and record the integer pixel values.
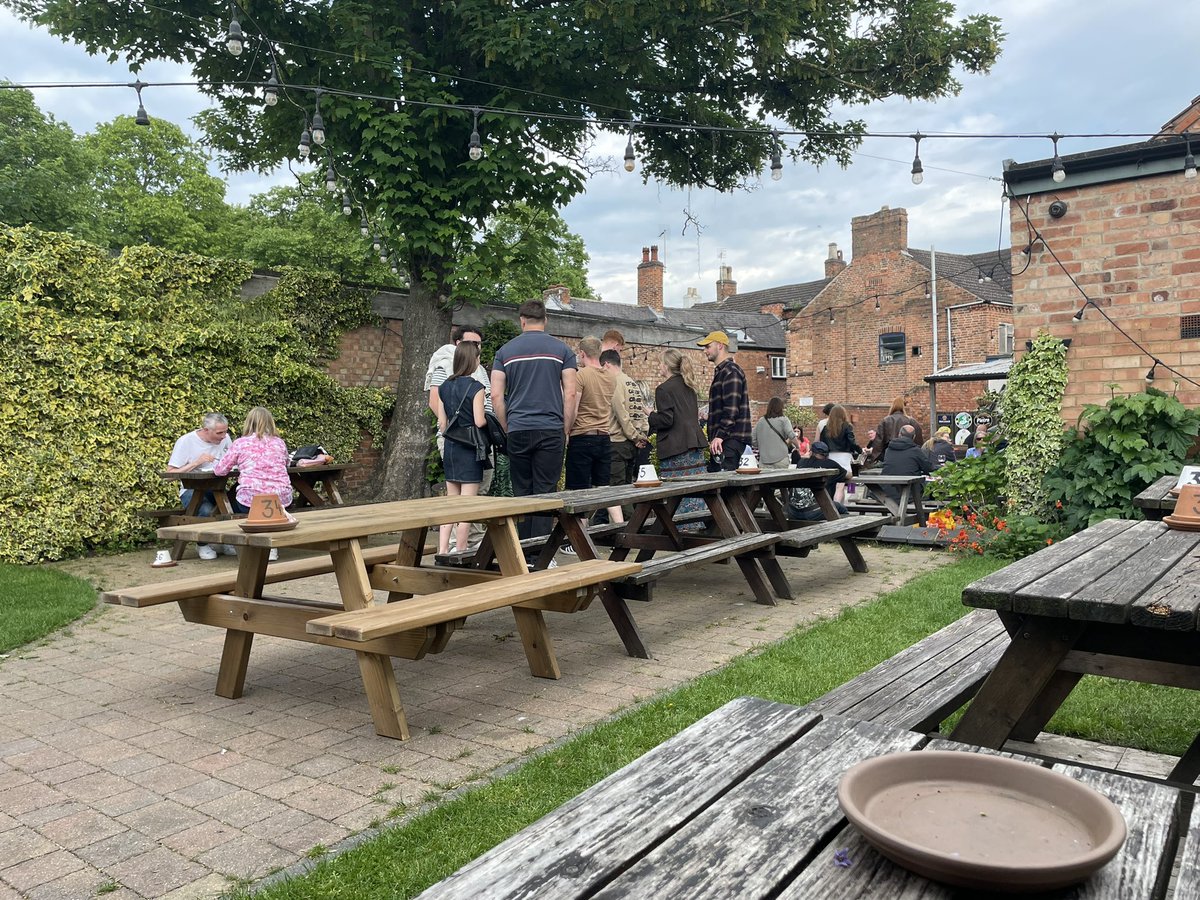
(904, 457)
(198, 451)
(803, 505)
(261, 458)
(940, 450)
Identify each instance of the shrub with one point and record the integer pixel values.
(975, 481)
(1031, 407)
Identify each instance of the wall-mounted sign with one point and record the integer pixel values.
(944, 419)
(962, 420)
(983, 419)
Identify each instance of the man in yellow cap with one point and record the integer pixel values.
(728, 403)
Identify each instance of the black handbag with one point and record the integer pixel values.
(495, 433)
(468, 435)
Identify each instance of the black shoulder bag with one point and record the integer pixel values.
(469, 435)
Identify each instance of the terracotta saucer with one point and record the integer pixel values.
(267, 529)
(1182, 523)
(647, 484)
(749, 471)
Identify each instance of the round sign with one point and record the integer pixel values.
(983, 419)
(962, 420)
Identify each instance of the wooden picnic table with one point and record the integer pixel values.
(318, 485)
(1119, 599)
(909, 490)
(1156, 501)
(743, 804)
(378, 631)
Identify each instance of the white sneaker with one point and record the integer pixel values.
(273, 555)
(204, 551)
(229, 549)
(567, 549)
(553, 564)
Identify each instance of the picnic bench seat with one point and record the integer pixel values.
(923, 684)
(799, 541)
(176, 515)
(224, 581)
(640, 586)
(563, 589)
(466, 557)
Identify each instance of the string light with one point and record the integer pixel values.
(141, 118)
(364, 227)
(318, 124)
(1078, 317)
(1189, 161)
(235, 40)
(877, 307)
(831, 315)
(777, 160)
(474, 146)
(346, 207)
(271, 89)
(1057, 170)
(917, 169)
(928, 293)
(629, 157)
(1150, 374)
(305, 146)
(331, 183)
(377, 243)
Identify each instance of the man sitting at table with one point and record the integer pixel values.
(803, 504)
(198, 451)
(904, 457)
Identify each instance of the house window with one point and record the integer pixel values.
(779, 367)
(891, 348)
(1004, 339)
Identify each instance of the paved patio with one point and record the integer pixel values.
(122, 771)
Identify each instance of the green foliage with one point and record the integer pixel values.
(1122, 449)
(44, 170)
(975, 481)
(1023, 535)
(106, 361)
(1031, 406)
(496, 333)
(804, 417)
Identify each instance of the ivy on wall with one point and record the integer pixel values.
(105, 361)
(1031, 408)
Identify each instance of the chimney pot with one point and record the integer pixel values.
(650, 280)
(653, 252)
(833, 252)
(645, 254)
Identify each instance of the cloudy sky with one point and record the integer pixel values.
(1072, 66)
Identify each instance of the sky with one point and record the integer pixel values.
(1071, 66)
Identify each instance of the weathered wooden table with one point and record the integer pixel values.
(199, 483)
(318, 485)
(1120, 599)
(909, 488)
(342, 533)
(743, 804)
(1156, 501)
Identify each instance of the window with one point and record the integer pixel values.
(779, 367)
(891, 348)
(1004, 339)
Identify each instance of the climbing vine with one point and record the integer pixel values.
(1031, 408)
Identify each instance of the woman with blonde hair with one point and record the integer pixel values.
(838, 435)
(261, 457)
(676, 422)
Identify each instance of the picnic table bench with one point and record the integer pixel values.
(909, 492)
(743, 803)
(401, 627)
(1157, 500)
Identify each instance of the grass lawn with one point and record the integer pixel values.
(35, 601)
(402, 861)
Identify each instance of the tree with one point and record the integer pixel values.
(44, 169)
(522, 252)
(544, 77)
(152, 187)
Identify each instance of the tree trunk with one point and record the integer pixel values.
(400, 474)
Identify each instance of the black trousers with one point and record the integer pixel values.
(535, 462)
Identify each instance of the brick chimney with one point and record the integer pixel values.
(834, 262)
(557, 292)
(882, 232)
(650, 280)
(726, 286)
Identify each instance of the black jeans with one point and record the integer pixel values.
(731, 454)
(588, 461)
(535, 461)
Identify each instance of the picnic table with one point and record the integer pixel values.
(909, 490)
(743, 804)
(1119, 599)
(402, 627)
(315, 486)
(1156, 501)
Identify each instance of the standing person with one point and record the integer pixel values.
(261, 458)
(199, 451)
(839, 437)
(589, 448)
(533, 391)
(890, 427)
(628, 430)
(774, 438)
(728, 403)
(825, 410)
(460, 402)
(676, 421)
(612, 340)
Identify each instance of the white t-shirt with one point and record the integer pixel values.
(441, 364)
(192, 445)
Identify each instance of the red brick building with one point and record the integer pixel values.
(865, 333)
(1125, 224)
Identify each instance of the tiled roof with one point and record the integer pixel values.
(792, 296)
(624, 312)
(965, 270)
(985, 371)
(762, 331)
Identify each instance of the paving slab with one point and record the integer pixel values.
(120, 767)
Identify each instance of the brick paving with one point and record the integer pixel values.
(121, 771)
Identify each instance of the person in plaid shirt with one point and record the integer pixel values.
(728, 403)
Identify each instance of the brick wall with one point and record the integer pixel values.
(1134, 246)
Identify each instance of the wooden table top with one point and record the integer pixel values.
(337, 523)
(323, 469)
(1118, 571)
(870, 478)
(587, 500)
(744, 804)
(758, 479)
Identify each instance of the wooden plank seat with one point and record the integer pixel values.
(800, 541)
(177, 516)
(923, 684)
(466, 557)
(223, 582)
(564, 588)
(640, 586)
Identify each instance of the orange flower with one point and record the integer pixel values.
(1058, 504)
(1049, 541)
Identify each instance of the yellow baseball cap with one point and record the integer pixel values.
(714, 337)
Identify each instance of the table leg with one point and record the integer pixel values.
(743, 512)
(849, 547)
(616, 607)
(1188, 767)
(192, 509)
(641, 512)
(539, 649)
(235, 656)
(408, 553)
(379, 678)
(775, 508)
(332, 491)
(918, 495)
(1045, 706)
(1020, 678)
(727, 527)
(307, 490)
